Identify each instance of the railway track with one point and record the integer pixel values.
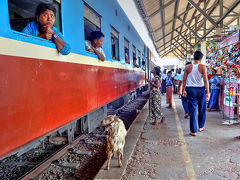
(81, 159)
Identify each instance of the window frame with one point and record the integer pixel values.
(33, 39)
(139, 58)
(114, 29)
(96, 13)
(125, 39)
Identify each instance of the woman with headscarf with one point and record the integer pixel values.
(43, 27)
(155, 97)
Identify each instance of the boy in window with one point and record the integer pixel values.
(96, 44)
(135, 63)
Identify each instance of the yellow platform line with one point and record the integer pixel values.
(185, 154)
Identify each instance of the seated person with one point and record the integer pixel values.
(143, 65)
(126, 58)
(43, 27)
(113, 48)
(96, 44)
(135, 62)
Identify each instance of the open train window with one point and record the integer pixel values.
(21, 12)
(139, 58)
(115, 44)
(126, 51)
(134, 51)
(92, 21)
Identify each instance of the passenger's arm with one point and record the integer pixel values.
(62, 47)
(184, 93)
(205, 80)
(100, 55)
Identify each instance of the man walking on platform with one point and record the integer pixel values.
(196, 88)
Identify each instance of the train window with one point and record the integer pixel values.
(115, 44)
(134, 51)
(21, 12)
(92, 21)
(126, 51)
(139, 58)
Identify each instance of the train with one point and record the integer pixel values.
(42, 91)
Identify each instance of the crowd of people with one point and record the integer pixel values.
(192, 86)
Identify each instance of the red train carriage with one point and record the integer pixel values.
(41, 90)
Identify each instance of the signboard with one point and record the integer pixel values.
(234, 38)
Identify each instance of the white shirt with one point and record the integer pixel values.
(195, 78)
(88, 46)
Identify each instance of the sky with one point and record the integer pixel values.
(130, 9)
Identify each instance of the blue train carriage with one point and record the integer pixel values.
(41, 89)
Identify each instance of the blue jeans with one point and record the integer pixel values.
(185, 104)
(196, 99)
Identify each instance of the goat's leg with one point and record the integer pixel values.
(119, 159)
(108, 160)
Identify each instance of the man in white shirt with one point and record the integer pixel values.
(95, 45)
(196, 88)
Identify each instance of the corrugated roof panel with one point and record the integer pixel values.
(182, 6)
(168, 28)
(216, 12)
(159, 43)
(166, 1)
(190, 14)
(169, 12)
(168, 38)
(151, 6)
(210, 3)
(229, 3)
(158, 34)
(155, 21)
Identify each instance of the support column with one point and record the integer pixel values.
(203, 49)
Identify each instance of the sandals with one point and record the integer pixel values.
(154, 122)
(163, 119)
(193, 134)
(201, 129)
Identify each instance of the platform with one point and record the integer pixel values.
(167, 151)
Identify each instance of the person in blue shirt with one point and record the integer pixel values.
(215, 90)
(43, 27)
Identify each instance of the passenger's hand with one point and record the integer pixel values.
(48, 36)
(207, 96)
(148, 80)
(90, 50)
(184, 93)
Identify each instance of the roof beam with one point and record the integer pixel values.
(180, 51)
(175, 15)
(220, 20)
(177, 55)
(163, 20)
(202, 12)
(172, 19)
(159, 10)
(185, 39)
(180, 45)
(190, 29)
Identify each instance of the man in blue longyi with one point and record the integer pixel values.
(196, 88)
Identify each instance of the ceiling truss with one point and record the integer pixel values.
(189, 26)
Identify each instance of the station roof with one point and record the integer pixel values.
(176, 26)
